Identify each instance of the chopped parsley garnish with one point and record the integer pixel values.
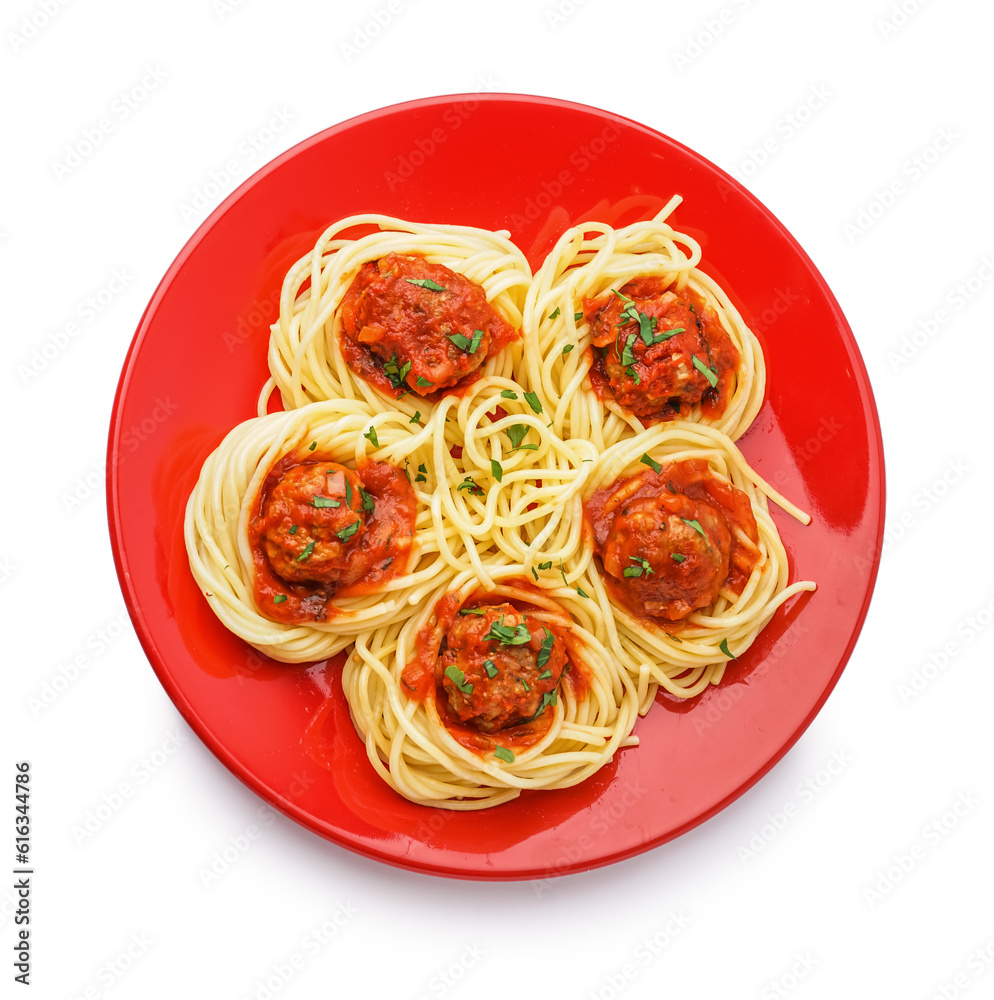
(472, 611)
(396, 374)
(641, 566)
(307, 551)
(534, 402)
(652, 463)
(723, 646)
(325, 502)
(633, 374)
(709, 373)
(696, 525)
(348, 492)
(470, 485)
(582, 592)
(279, 598)
(465, 343)
(545, 652)
(367, 501)
(425, 283)
(676, 557)
(525, 684)
(508, 394)
(491, 670)
(293, 529)
(627, 358)
(496, 470)
(554, 313)
(549, 698)
(646, 324)
(459, 679)
(423, 382)
(312, 446)
(545, 565)
(348, 531)
(370, 436)
(517, 432)
(502, 753)
(577, 316)
(563, 571)
(545, 675)
(420, 477)
(535, 574)
(567, 349)
(416, 419)
(508, 635)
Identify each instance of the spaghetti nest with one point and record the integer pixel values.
(589, 367)
(687, 654)
(406, 722)
(311, 356)
(516, 503)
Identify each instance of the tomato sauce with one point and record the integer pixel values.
(411, 326)
(423, 679)
(379, 549)
(667, 540)
(656, 353)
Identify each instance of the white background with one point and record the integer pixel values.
(873, 879)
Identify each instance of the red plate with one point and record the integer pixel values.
(533, 166)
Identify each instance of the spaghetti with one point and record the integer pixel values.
(518, 541)
(333, 339)
(623, 330)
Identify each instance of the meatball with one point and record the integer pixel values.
(312, 521)
(660, 351)
(427, 326)
(499, 668)
(669, 553)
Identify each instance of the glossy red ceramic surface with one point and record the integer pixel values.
(533, 166)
